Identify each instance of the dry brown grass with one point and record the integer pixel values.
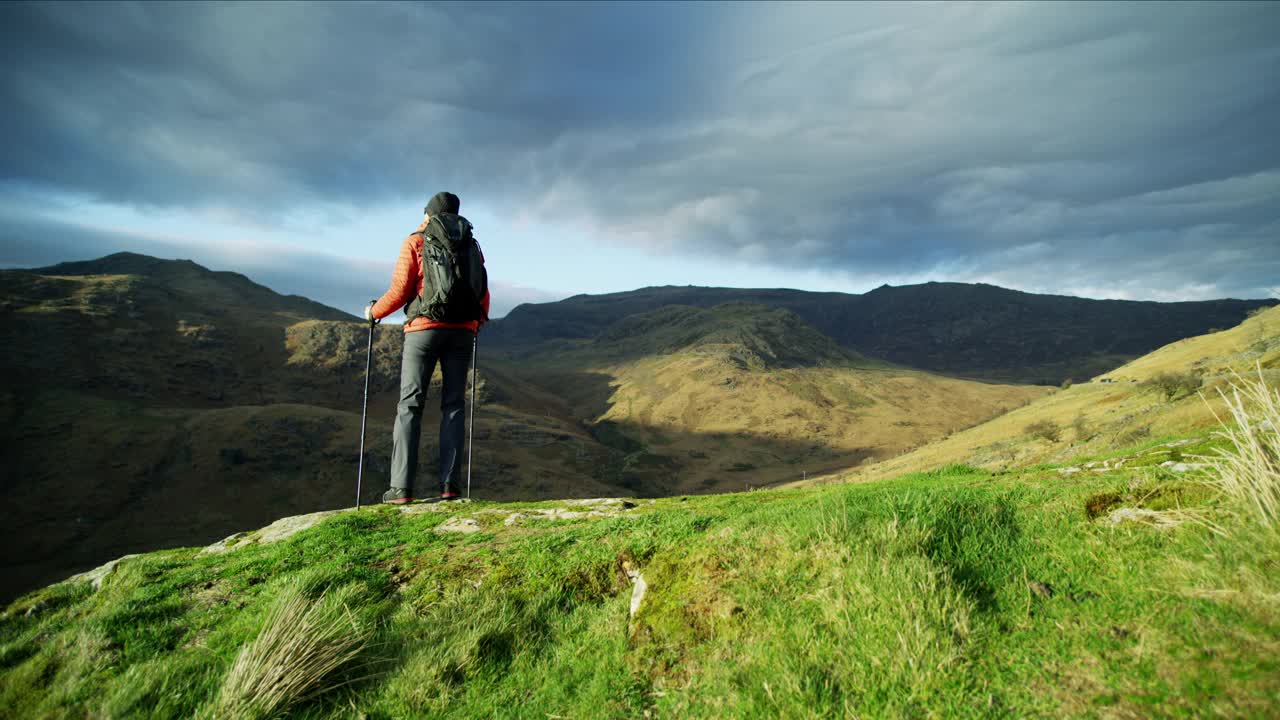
(1248, 471)
(1115, 414)
(788, 423)
(302, 644)
(1237, 348)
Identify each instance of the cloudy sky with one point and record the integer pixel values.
(1106, 150)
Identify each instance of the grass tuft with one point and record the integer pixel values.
(1175, 384)
(1248, 470)
(1045, 429)
(302, 644)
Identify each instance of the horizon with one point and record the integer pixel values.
(1272, 293)
(1110, 152)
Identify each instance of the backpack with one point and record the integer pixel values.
(454, 280)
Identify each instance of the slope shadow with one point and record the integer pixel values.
(640, 459)
(191, 481)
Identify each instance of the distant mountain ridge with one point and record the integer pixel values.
(152, 403)
(184, 275)
(954, 328)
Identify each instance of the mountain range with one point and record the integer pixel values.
(965, 330)
(153, 403)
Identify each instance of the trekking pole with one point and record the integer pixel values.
(364, 410)
(471, 429)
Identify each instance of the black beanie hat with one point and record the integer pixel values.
(442, 202)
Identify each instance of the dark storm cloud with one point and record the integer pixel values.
(1099, 148)
(273, 103)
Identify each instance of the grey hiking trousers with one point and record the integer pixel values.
(422, 348)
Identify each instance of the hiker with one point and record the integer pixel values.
(445, 305)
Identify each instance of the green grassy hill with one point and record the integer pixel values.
(1170, 392)
(953, 593)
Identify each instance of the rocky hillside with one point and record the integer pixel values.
(959, 329)
(748, 335)
(132, 327)
(174, 404)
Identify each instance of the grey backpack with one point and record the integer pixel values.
(454, 280)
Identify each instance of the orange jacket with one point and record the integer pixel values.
(406, 284)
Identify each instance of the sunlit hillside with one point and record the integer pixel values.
(1168, 392)
(743, 395)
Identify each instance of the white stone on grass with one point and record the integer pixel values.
(1181, 467)
(638, 585)
(1144, 516)
(458, 525)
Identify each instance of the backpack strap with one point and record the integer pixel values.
(415, 308)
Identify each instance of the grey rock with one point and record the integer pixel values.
(620, 503)
(418, 508)
(96, 576)
(560, 514)
(276, 531)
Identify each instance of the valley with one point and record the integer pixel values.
(155, 403)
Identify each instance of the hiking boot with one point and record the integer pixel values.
(397, 496)
(450, 492)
